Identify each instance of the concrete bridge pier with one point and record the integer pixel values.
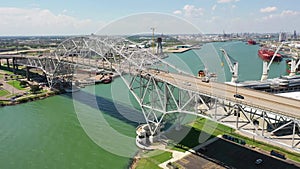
(27, 73)
(7, 62)
(13, 63)
(15, 66)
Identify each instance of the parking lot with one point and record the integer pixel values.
(226, 154)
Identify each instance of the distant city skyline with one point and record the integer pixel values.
(74, 17)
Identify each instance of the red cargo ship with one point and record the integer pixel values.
(251, 42)
(267, 54)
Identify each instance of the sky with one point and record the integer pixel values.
(78, 17)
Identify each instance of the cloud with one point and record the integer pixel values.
(285, 20)
(268, 9)
(177, 12)
(227, 1)
(65, 11)
(289, 13)
(35, 21)
(213, 8)
(283, 14)
(190, 11)
(142, 22)
(213, 19)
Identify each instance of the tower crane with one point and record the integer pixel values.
(153, 42)
(266, 65)
(232, 66)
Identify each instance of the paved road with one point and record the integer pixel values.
(269, 102)
(262, 100)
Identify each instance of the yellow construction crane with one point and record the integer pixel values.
(153, 43)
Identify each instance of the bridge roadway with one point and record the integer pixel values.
(268, 102)
(265, 101)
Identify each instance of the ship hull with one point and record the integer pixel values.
(267, 55)
(251, 42)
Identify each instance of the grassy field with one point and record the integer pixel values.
(3, 92)
(8, 72)
(197, 132)
(16, 84)
(151, 159)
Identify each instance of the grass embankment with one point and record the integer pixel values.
(30, 97)
(16, 84)
(197, 132)
(151, 159)
(3, 92)
(8, 72)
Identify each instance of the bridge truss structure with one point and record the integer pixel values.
(154, 84)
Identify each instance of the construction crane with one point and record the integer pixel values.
(266, 65)
(232, 66)
(153, 42)
(294, 65)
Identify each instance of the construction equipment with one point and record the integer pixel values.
(266, 65)
(232, 66)
(294, 64)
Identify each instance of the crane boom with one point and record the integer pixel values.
(233, 67)
(266, 65)
(277, 50)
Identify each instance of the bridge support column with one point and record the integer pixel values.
(7, 62)
(27, 73)
(237, 114)
(45, 75)
(13, 63)
(151, 139)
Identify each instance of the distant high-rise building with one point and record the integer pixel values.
(295, 35)
(159, 46)
(282, 37)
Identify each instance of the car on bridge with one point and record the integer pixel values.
(238, 96)
(187, 83)
(205, 79)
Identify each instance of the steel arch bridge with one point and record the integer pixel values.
(161, 89)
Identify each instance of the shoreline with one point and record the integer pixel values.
(134, 161)
(36, 97)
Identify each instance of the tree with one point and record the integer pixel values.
(23, 83)
(35, 89)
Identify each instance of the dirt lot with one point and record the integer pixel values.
(225, 154)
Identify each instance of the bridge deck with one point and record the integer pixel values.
(265, 101)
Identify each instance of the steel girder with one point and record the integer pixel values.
(260, 124)
(157, 98)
